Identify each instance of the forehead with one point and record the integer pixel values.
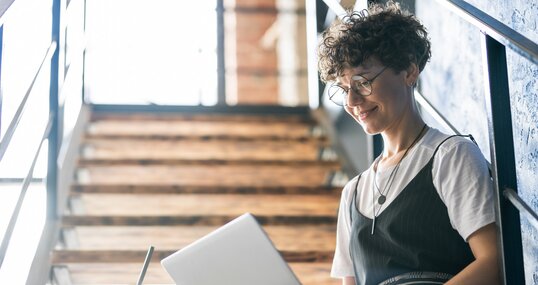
(363, 68)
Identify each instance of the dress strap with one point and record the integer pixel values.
(353, 199)
(463, 136)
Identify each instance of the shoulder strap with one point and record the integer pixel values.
(353, 199)
(464, 136)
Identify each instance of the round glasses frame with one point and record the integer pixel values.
(360, 85)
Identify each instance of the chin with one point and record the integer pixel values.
(370, 130)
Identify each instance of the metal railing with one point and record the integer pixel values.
(50, 57)
(51, 130)
(6, 141)
(496, 38)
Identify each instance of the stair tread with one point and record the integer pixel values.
(313, 237)
(201, 117)
(238, 175)
(127, 273)
(121, 256)
(127, 188)
(199, 128)
(204, 162)
(189, 219)
(202, 150)
(192, 204)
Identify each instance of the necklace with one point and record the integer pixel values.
(383, 194)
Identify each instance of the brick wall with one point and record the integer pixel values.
(253, 70)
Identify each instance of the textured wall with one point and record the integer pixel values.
(453, 82)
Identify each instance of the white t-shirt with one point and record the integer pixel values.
(460, 176)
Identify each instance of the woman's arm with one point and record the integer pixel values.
(348, 281)
(485, 269)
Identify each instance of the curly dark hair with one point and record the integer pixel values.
(386, 32)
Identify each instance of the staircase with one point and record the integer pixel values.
(166, 180)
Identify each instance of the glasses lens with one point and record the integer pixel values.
(337, 94)
(361, 85)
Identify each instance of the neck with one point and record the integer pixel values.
(403, 137)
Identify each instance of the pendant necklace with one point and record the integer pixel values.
(383, 194)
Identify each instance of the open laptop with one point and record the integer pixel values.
(238, 253)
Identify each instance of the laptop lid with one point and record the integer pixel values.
(240, 252)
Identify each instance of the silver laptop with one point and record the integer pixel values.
(238, 253)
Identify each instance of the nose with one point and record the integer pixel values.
(353, 98)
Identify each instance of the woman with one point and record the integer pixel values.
(424, 208)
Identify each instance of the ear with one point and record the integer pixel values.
(412, 73)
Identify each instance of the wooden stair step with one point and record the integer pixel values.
(200, 117)
(192, 220)
(201, 128)
(121, 256)
(207, 175)
(127, 273)
(192, 204)
(165, 161)
(212, 150)
(206, 137)
(201, 189)
(313, 237)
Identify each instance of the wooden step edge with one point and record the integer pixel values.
(89, 140)
(209, 117)
(128, 256)
(197, 189)
(287, 137)
(151, 161)
(206, 220)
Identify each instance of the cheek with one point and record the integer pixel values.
(352, 114)
(349, 111)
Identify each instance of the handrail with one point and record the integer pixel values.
(337, 9)
(4, 7)
(428, 107)
(20, 110)
(13, 220)
(494, 28)
(522, 207)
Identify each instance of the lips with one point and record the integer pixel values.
(364, 114)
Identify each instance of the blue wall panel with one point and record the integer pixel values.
(453, 82)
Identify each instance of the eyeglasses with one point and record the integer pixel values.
(359, 84)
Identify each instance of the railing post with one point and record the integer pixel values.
(221, 64)
(502, 159)
(83, 93)
(53, 139)
(314, 10)
(1, 52)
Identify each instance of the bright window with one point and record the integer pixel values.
(161, 52)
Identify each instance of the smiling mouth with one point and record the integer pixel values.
(364, 114)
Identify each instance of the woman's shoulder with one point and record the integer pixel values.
(450, 148)
(444, 143)
(351, 186)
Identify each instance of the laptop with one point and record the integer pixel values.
(238, 253)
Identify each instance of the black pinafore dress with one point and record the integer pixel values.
(413, 234)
